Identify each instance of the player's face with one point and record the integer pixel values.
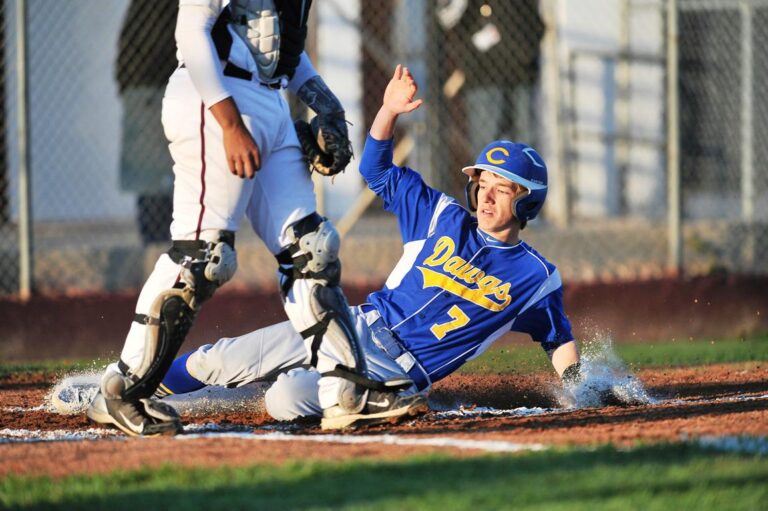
(494, 206)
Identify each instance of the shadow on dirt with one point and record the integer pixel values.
(708, 389)
(584, 418)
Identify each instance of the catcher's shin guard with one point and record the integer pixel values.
(311, 273)
(206, 266)
(168, 323)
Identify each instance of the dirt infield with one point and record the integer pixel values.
(472, 414)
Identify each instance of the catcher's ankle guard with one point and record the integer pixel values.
(206, 266)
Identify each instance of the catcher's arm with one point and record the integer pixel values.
(325, 142)
(243, 157)
(193, 36)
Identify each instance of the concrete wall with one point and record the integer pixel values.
(598, 109)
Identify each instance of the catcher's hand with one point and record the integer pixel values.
(325, 142)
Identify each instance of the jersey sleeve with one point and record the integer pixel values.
(193, 37)
(546, 322)
(403, 190)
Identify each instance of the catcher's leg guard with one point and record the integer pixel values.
(206, 266)
(317, 308)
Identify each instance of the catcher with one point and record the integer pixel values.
(461, 283)
(236, 153)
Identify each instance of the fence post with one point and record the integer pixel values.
(747, 169)
(556, 121)
(674, 198)
(623, 140)
(25, 179)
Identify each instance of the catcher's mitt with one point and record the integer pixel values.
(325, 142)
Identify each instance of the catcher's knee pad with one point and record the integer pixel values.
(313, 253)
(311, 272)
(206, 266)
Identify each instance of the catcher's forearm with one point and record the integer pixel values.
(324, 142)
(226, 113)
(317, 96)
(304, 71)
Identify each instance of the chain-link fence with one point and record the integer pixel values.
(584, 81)
(724, 122)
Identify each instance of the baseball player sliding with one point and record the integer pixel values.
(461, 283)
(236, 153)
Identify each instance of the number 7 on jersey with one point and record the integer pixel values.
(458, 320)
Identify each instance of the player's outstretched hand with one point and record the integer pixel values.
(400, 92)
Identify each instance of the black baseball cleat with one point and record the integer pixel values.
(380, 408)
(145, 417)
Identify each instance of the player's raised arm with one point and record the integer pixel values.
(398, 99)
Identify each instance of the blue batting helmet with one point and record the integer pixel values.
(520, 164)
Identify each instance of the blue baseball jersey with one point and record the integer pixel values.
(456, 289)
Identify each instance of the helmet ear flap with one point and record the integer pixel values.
(521, 207)
(471, 190)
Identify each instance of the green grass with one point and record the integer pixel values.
(649, 478)
(529, 358)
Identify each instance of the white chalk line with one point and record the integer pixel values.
(212, 431)
(14, 436)
(527, 412)
(41, 408)
(386, 439)
(482, 411)
(729, 399)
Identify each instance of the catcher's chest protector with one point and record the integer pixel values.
(257, 24)
(274, 31)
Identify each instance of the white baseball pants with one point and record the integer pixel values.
(278, 352)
